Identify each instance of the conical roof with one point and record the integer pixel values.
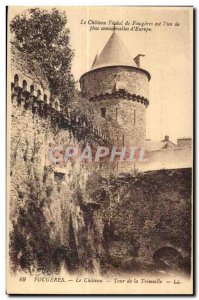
(114, 53)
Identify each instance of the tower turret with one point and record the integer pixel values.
(119, 88)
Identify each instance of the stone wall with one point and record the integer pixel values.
(147, 212)
(122, 93)
(48, 214)
(88, 218)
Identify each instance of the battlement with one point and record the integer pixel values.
(30, 95)
(26, 88)
(120, 93)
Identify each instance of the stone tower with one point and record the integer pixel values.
(119, 88)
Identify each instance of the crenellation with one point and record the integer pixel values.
(40, 102)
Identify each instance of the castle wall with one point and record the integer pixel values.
(40, 201)
(67, 216)
(31, 138)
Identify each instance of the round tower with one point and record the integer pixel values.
(119, 88)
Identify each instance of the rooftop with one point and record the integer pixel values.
(114, 53)
(158, 145)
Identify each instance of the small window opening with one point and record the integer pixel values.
(24, 86)
(59, 177)
(103, 112)
(32, 89)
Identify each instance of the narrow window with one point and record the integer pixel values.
(116, 113)
(103, 112)
(32, 89)
(56, 105)
(134, 116)
(123, 140)
(38, 94)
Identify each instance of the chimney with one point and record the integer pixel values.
(166, 138)
(137, 59)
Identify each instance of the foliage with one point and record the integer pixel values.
(30, 245)
(42, 38)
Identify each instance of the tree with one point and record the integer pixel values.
(42, 39)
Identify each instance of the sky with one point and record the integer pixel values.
(168, 57)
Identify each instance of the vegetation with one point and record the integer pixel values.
(41, 39)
